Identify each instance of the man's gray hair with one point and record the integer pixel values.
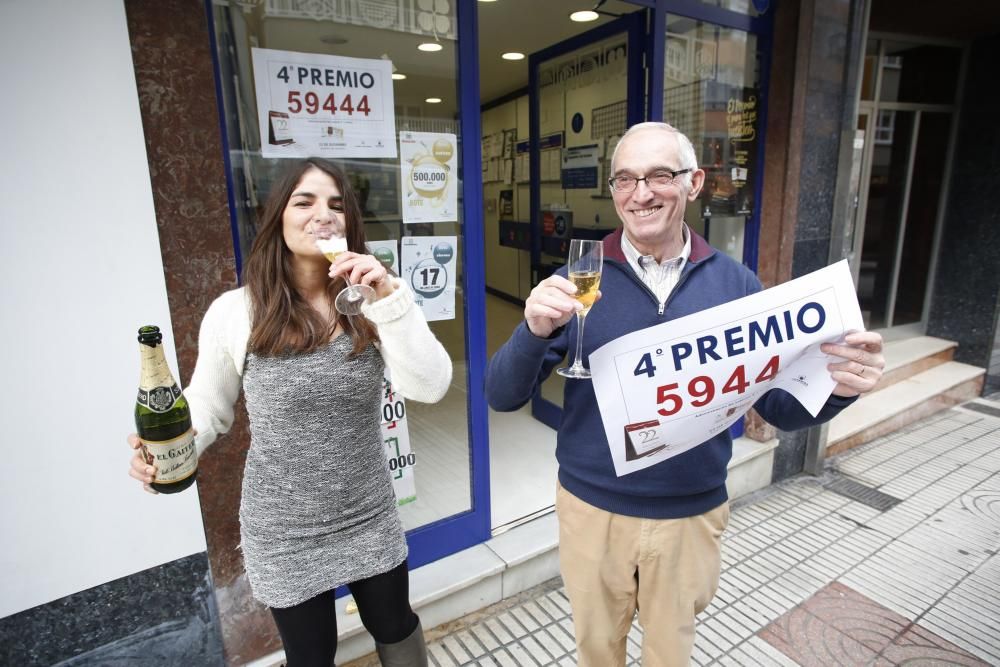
(686, 149)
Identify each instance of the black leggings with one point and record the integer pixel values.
(309, 629)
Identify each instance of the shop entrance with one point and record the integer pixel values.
(547, 154)
(907, 116)
(546, 157)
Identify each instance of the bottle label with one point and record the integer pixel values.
(174, 459)
(159, 399)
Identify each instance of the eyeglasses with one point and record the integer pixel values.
(658, 180)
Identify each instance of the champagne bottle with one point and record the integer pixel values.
(162, 418)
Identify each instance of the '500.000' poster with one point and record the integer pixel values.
(428, 168)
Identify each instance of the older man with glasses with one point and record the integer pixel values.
(650, 539)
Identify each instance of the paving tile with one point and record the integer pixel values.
(504, 659)
(537, 651)
(699, 655)
(710, 641)
(733, 625)
(856, 616)
(499, 630)
(524, 619)
(471, 645)
(921, 646)
(484, 636)
(456, 650)
(550, 607)
(551, 643)
(439, 656)
(754, 614)
(521, 655)
(961, 629)
(762, 654)
(559, 599)
(563, 638)
(813, 643)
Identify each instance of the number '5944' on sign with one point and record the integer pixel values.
(701, 390)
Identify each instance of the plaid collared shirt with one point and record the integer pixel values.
(660, 278)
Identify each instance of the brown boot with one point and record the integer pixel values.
(410, 652)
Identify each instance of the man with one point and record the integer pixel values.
(650, 538)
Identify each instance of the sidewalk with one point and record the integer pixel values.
(892, 556)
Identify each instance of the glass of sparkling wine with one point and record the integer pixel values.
(352, 297)
(585, 261)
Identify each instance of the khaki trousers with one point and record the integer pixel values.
(611, 562)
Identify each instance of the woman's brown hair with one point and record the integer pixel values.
(281, 321)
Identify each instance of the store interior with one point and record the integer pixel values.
(584, 102)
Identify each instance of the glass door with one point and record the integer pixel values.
(583, 94)
(712, 93)
(316, 94)
(908, 91)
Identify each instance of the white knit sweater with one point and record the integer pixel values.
(420, 366)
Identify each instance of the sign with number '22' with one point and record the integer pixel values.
(668, 388)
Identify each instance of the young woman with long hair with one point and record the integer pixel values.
(317, 509)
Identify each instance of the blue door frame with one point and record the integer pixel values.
(450, 534)
(461, 531)
(633, 26)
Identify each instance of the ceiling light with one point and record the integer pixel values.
(513, 55)
(433, 100)
(430, 46)
(584, 16)
(396, 76)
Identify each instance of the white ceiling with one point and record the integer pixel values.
(525, 26)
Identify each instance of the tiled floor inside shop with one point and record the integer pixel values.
(815, 573)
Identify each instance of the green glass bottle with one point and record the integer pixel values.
(162, 418)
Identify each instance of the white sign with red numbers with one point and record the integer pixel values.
(324, 106)
(668, 388)
(396, 438)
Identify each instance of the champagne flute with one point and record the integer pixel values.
(352, 297)
(585, 261)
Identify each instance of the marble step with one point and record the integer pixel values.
(507, 564)
(902, 403)
(906, 357)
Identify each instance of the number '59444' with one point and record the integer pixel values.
(310, 102)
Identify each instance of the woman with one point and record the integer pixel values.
(317, 509)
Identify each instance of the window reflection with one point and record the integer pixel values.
(438, 433)
(711, 94)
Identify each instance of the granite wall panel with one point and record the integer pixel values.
(166, 614)
(965, 301)
(815, 98)
(171, 51)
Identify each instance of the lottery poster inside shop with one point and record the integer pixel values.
(315, 105)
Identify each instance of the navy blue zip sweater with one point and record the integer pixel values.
(685, 485)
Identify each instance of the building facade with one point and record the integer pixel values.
(857, 129)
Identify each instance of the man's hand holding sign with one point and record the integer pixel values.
(682, 344)
(862, 366)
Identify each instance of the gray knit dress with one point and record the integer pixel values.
(318, 509)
